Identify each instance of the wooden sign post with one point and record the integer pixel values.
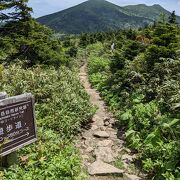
(17, 124)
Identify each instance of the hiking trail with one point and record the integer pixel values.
(101, 143)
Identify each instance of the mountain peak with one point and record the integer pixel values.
(157, 5)
(97, 0)
(101, 15)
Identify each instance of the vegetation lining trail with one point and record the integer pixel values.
(99, 143)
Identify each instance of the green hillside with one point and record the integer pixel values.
(150, 12)
(101, 15)
(93, 15)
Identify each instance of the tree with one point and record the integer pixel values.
(172, 18)
(164, 36)
(19, 8)
(130, 34)
(18, 19)
(162, 18)
(23, 38)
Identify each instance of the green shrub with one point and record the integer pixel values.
(62, 106)
(141, 86)
(48, 158)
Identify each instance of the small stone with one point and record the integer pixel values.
(101, 134)
(112, 120)
(89, 143)
(126, 150)
(110, 129)
(130, 177)
(106, 119)
(105, 154)
(127, 158)
(94, 127)
(83, 137)
(123, 137)
(83, 146)
(96, 118)
(89, 149)
(85, 156)
(102, 128)
(107, 123)
(101, 168)
(113, 135)
(105, 143)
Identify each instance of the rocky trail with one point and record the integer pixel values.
(101, 143)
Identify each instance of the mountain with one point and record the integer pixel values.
(150, 12)
(101, 15)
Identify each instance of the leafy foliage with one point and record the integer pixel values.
(61, 107)
(141, 86)
(36, 61)
(22, 38)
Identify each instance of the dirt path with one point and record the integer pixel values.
(99, 143)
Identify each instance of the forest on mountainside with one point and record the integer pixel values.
(139, 80)
(102, 15)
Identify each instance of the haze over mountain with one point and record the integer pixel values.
(101, 15)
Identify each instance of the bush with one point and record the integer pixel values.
(62, 106)
(141, 87)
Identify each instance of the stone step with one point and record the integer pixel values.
(101, 134)
(104, 154)
(130, 177)
(101, 168)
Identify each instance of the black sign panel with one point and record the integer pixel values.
(17, 123)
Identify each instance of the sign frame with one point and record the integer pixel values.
(20, 99)
(3, 95)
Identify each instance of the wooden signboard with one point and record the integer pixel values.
(17, 123)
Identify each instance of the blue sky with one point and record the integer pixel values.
(44, 7)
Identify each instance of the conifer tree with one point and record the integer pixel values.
(172, 18)
(18, 19)
(20, 10)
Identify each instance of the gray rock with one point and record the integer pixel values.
(130, 177)
(105, 154)
(101, 134)
(105, 143)
(85, 157)
(110, 129)
(83, 146)
(106, 119)
(101, 168)
(89, 142)
(107, 123)
(102, 128)
(127, 158)
(126, 150)
(89, 150)
(94, 127)
(112, 121)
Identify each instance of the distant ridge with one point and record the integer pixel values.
(101, 15)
